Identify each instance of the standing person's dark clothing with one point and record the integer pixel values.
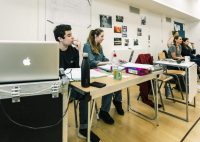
(70, 59)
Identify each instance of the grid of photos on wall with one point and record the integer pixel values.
(120, 30)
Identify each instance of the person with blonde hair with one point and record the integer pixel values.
(170, 41)
(96, 58)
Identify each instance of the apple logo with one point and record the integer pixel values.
(27, 61)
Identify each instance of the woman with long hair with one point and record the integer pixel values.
(187, 51)
(175, 50)
(96, 57)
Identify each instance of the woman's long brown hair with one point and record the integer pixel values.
(91, 40)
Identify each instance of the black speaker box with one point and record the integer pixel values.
(34, 111)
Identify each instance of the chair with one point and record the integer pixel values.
(175, 73)
(164, 79)
(145, 87)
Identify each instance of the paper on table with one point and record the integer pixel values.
(74, 74)
(109, 67)
(144, 66)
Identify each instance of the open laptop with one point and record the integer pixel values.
(121, 56)
(28, 61)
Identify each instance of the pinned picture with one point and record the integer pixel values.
(139, 32)
(135, 42)
(105, 21)
(149, 37)
(124, 34)
(117, 29)
(119, 18)
(117, 41)
(124, 31)
(126, 42)
(143, 20)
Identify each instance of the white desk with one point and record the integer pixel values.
(190, 82)
(112, 86)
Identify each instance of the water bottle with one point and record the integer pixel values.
(114, 58)
(85, 71)
(116, 72)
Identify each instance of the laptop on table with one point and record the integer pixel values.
(28, 61)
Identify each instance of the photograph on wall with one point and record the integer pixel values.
(124, 34)
(149, 37)
(119, 18)
(117, 29)
(135, 42)
(126, 42)
(143, 20)
(124, 31)
(139, 32)
(180, 28)
(117, 41)
(105, 21)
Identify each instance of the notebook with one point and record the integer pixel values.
(28, 61)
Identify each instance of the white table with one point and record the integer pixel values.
(190, 82)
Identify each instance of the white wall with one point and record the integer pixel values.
(68, 12)
(157, 27)
(25, 20)
(193, 34)
(19, 20)
(190, 7)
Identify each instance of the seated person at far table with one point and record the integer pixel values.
(96, 57)
(175, 50)
(187, 51)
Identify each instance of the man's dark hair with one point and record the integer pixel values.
(59, 31)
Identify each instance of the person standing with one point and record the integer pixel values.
(170, 41)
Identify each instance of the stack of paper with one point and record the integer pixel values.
(74, 74)
(144, 66)
(109, 67)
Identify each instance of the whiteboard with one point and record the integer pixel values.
(76, 13)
